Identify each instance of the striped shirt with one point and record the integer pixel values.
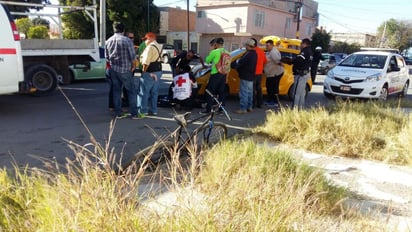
(120, 53)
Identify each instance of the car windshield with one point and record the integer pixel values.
(365, 61)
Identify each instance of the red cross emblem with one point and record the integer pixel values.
(180, 81)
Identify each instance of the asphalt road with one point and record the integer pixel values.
(34, 129)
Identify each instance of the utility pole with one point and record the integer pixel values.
(188, 27)
(298, 9)
(102, 23)
(148, 15)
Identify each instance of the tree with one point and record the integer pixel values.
(132, 13)
(343, 47)
(41, 21)
(14, 8)
(23, 25)
(38, 32)
(395, 34)
(321, 38)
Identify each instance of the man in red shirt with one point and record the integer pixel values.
(257, 84)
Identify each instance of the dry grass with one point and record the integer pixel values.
(235, 186)
(366, 130)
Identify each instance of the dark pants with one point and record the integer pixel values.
(257, 91)
(125, 97)
(216, 86)
(272, 88)
(313, 71)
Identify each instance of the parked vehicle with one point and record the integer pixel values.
(168, 52)
(202, 76)
(368, 74)
(330, 61)
(96, 70)
(37, 65)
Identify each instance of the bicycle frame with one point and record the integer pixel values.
(209, 121)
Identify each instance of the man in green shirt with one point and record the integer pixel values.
(217, 81)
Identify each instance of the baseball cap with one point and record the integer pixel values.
(150, 35)
(251, 43)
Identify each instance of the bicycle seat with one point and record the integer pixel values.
(181, 119)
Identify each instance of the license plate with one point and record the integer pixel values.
(345, 88)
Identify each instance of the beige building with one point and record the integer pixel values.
(236, 21)
(364, 40)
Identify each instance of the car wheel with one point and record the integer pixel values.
(383, 96)
(165, 59)
(43, 78)
(404, 90)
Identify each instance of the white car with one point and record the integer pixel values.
(369, 74)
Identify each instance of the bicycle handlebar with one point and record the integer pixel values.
(219, 104)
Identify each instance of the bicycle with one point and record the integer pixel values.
(209, 132)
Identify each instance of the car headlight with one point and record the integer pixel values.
(330, 74)
(374, 77)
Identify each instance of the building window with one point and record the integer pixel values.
(288, 23)
(309, 29)
(201, 14)
(259, 19)
(234, 46)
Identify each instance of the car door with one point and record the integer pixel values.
(393, 75)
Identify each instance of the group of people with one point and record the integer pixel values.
(255, 62)
(141, 92)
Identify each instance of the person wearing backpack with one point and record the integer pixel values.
(217, 80)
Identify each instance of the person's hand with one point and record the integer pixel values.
(152, 75)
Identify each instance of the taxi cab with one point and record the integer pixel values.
(287, 48)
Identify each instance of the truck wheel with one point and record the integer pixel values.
(43, 78)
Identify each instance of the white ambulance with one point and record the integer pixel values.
(37, 66)
(11, 63)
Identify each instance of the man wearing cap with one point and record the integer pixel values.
(120, 55)
(301, 66)
(151, 73)
(217, 81)
(246, 67)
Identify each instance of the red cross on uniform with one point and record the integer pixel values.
(180, 81)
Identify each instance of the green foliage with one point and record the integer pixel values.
(345, 47)
(132, 13)
(41, 21)
(38, 32)
(23, 25)
(398, 34)
(321, 38)
(15, 8)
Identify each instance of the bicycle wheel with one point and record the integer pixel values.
(212, 135)
(148, 157)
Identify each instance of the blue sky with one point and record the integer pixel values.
(344, 15)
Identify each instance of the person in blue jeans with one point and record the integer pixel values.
(120, 54)
(246, 67)
(151, 75)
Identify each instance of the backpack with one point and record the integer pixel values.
(223, 66)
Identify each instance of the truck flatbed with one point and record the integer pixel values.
(59, 47)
